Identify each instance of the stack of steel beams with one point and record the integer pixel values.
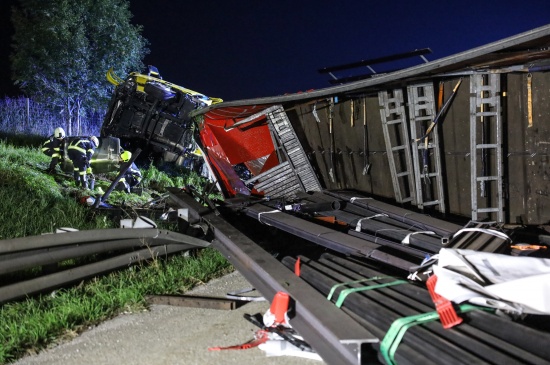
(379, 302)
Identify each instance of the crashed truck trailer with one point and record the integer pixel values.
(481, 160)
(486, 158)
(466, 135)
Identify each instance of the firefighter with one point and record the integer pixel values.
(80, 152)
(132, 176)
(54, 147)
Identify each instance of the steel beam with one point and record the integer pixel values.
(333, 334)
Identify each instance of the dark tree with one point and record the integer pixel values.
(62, 50)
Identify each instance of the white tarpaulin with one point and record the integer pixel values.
(514, 284)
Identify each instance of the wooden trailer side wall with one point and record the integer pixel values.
(341, 157)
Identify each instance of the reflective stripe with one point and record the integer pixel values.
(78, 149)
(75, 146)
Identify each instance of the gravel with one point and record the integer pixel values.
(170, 335)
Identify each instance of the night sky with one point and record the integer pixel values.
(246, 49)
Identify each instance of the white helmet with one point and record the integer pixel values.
(95, 141)
(59, 133)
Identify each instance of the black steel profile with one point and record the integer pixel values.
(406, 355)
(330, 238)
(376, 312)
(509, 338)
(422, 221)
(419, 254)
(334, 335)
(66, 277)
(312, 232)
(57, 254)
(479, 238)
(317, 207)
(93, 235)
(380, 228)
(22, 253)
(468, 335)
(465, 344)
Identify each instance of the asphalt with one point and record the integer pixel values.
(172, 335)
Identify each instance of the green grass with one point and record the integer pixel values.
(34, 203)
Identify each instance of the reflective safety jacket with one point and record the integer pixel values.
(84, 146)
(132, 175)
(53, 147)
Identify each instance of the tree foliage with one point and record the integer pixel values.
(63, 48)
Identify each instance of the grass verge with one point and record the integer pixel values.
(34, 203)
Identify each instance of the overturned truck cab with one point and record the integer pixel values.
(147, 112)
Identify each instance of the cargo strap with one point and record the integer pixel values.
(271, 211)
(261, 336)
(397, 330)
(488, 231)
(237, 295)
(345, 292)
(358, 226)
(353, 199)
(407, 238)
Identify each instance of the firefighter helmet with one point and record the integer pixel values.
(126, 156)
(59, 132)
(95, 141)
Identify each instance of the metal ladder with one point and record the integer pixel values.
(293, 149)
(426, 155)
(294, 173)
(396, 136)
(486, 157)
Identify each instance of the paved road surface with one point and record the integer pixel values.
(170, 335)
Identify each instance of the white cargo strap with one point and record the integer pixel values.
(260, 215)
(358, 226)
(484, 230)
(407, 238)
(236, 295)
(357, 198)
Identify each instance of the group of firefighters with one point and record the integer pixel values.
(80, 151)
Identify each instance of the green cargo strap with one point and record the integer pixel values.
(397, 330)
(344, 293)
(334, 287)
